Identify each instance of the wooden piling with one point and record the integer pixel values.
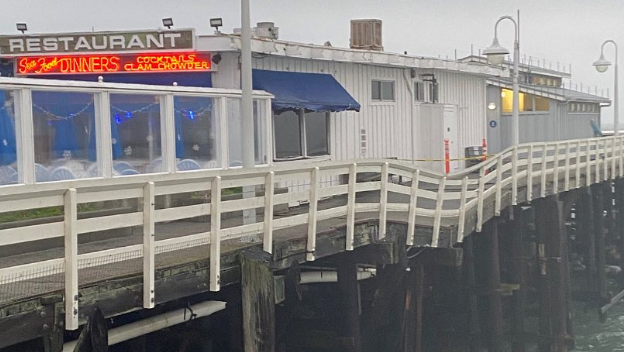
(545, 328)
(495, 311)
(258, 301)
(473, 330)
(619, 222)
(598, 201)
(350, 297)
(519, 277)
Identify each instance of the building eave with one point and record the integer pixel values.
(558, 94)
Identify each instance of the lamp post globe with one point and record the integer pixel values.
(495, 53)
(602, 64)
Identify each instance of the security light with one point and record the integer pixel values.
(22, 27)
(602, 65)
(167, 22)
(216, 23)
(495, 53)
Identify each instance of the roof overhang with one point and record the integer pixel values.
(559, 94)
(327, 53)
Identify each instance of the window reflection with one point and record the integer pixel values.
(196, 134)
(8, 145)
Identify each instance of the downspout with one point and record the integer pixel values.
(411, 104)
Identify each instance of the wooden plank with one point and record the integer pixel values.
(31, 233)
(480, 200)
(110, 222)
(258, 301)
(493, 278)
(109, 194)
(499, 186)
(215, 239)
(351, 207)
(544, 171)
(411, 219)
(556, 169)
(438, 214)
(462, 212)
(180, 213)
(514, 177)
(31, 201)
(566, 186)
(588, 163)
(383, 201)
(312, 213)
(349, 294)
(71, 260)
(578, 165)
(149, 232)
(530, 175)
(269, 191)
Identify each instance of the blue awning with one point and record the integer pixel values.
(310, 91)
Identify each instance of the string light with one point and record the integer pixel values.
(118, 119)
(58, 117)
(191, 115)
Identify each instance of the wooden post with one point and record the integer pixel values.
(473, 330)
(413, 316)
(495, 304)
(350, 299)
(258, 301)
(545, 331)
(519, 277)
(619, 221)
(608, 206)
(598, 201)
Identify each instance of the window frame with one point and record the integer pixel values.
(381, 99)
(302, 137)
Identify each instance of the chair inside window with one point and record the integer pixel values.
(62, 173)
(188, 164)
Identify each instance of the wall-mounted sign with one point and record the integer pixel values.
(493, 123)
(54, 65)
(103, 42)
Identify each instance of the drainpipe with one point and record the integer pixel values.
(411, 101)
(155, 323)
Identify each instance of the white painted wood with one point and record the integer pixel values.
(605, 160)
(598, 161)
(330, 191)
(24, 136)
(31, 201)
(351, 207)
(556, 168)
(514, 177)
(621, 154)
(109, 194)
(462, 211)
(173, 244)
(240, 204)
(31, 270)
(499, 185)
(149, 233)
(588, 163)
(383, 201)
(544, 170)
(411, 219)
(31, 233)
(290, 197)
(98, 258)
(438, 214)
(577, 166)
(196, 185)
(71, 260)
(110, 222)
(167, 132)
(530, 174)
(179, 213)
(480, 200)
(566, 186)
(312, 214)
(215, 229)
(104, 148)
(612, 154)
(222, 126)
(269, 190)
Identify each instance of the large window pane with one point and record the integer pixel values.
(387, 91)
(260, 133)
(287, 135)
(135, 132)
(64, 135)
(316, 133)
(234, 132)
(376, 90)
(8, 144)
(196, 133)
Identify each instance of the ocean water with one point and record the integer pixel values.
(592, 335)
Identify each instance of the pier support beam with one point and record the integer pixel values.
(599, 224)
(619, 223)
(519, 229)
(350, 296)
(258, 301)
(495, 312)
(472, 306)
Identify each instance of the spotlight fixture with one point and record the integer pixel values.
(22, 27)
(167, 22)
(216, 58)
(216, 23)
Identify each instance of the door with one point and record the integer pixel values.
(451, 132)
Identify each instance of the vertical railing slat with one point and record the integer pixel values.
(438, 213)
(351, 207)
(499, 185)
(612, 149)
(480, 199)
(588, 171)
(578, 165)
(411, 217)
(269, 190)
(71, 259)
(621, 156)
(215, 238)
(530, 174)
(462, 211)
(312, 214)
(556, 169)
(383, 201)
(566, 185)
(149, 229)
(544, 165)
(605, 160)
(514, 175)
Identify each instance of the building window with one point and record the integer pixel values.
(419, 91)
(425, 91)
(382, 90)
(527, 102)
(300, 134)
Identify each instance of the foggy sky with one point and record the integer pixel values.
(566, 31)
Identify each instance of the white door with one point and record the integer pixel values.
(451, 131)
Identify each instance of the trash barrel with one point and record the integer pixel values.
(473, 155)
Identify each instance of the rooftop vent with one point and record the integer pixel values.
(366, 35)
(266, 30)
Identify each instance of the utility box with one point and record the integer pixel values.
(366, 35)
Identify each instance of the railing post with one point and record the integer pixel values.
(351, 207)
(578, 165)
(605, 161)
(556, 169)
(588, 164)
(530, 174)
(71, 259)
(621, 156)
(438, 213)
(597, 165)
(411, 220)
(383, 201)
(24, 134)
(314, 186)
(269, 190)
(544, 165)
(480, 196)
(215, 238)
(566, 186)
(462, 210)
(149, 266)
(499, 184)
(514, 177)
(613, 139)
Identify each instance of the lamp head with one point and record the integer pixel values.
(602, 65)
(167, 22)
(495, 53)
(22, 27)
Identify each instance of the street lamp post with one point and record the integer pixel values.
(247, 125)
(602, 65)
(496, 55)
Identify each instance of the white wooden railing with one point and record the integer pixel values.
(461, 202)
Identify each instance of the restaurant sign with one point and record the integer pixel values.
(101, 64)
(97, 42)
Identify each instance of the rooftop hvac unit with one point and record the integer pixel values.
(366, 35)
(266, 30)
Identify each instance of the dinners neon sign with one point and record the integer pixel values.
(83, 64)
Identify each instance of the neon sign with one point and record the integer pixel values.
(96, 64)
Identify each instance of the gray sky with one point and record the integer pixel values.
(568, 31)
